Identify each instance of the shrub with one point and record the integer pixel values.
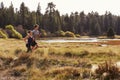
(3, 34)
(60, 33)
(43, 33)
(69, 34)
(14, 32)
(20, 29)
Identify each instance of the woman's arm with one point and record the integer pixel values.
(25, 39)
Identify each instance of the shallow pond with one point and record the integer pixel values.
(62, 40)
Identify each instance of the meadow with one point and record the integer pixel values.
(59, 61)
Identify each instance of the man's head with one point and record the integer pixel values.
(36, 26)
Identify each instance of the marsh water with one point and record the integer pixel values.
(62, 40)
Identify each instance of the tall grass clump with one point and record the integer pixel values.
(14, 32)
(64, 73)
(17, 51)
(3, 35)
(18, 71)
(107, 71)
(24, 59)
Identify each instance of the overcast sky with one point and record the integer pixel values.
(68, 6)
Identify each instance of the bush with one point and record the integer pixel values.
(3, 35)
(15, 34)
(43, 33)
(60, 33)
(77, 35)
(69, 34)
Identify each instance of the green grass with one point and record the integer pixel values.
(49, 61)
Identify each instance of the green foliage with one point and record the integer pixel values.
(60, 33)
(43, 33)
(14, 32)
(110, 33)
(3, 34)
(69, 34)
(93, 24)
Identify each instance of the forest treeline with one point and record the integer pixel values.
(91, 24)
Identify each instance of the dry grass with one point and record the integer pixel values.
(74, 60)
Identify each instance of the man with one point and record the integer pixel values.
(36, 33)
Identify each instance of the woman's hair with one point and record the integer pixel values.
(29, 31)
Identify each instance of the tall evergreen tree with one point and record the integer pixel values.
(38, 15)
(51, 11)
(3, 15)
(24, 14)
(11, 16)
(110, 33)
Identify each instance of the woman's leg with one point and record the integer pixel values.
(34, 47)
(28, 48)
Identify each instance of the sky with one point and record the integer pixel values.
(68, 6)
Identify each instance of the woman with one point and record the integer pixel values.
(30, 42)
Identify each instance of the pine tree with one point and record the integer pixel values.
(110, 33)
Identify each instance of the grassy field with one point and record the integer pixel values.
(58, 61)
